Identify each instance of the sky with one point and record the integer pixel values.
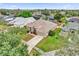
(39, 5)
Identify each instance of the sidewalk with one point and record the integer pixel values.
(33, 42)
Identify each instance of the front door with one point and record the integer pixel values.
(33, 30)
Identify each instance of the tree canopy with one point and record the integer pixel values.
(11, 44)
(24, 13)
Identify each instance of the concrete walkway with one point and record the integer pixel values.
(33, 42)
(39, 50)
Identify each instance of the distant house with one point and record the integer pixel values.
(41, 27)
(8, 18)
(36, 17)
(73, 19)
(21, 22)
(70, 26)
(51, 18)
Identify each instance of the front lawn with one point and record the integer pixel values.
(3, 27)
(52, 42)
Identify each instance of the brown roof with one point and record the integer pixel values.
(42, 25)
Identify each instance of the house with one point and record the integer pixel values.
(41, 27)
(8, 18)
(51, 18)
(36, 17)
(73, 19)
(70, 26)
(21, 22)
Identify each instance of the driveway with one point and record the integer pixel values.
(33, 42)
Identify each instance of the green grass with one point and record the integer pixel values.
(3, 27)
(52, 43)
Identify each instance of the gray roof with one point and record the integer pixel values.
(8, 18)
(74, 19)
(20, 21)
(51, 17)
(71, 26)
(37, 17)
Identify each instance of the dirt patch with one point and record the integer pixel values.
(28, 37)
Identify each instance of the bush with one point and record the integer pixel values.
(57, 30)
(54, 32)
(51, 33)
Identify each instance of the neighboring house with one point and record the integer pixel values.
(8, 18)
(73, 19)
(41, 27)
(51, 18)
(36, 17)
(21, 22)
(70, 26)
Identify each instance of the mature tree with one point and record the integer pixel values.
(3, 11)
(58, 16)
(24, 13)
(46, 12)
(11, 45)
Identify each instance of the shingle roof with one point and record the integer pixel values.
(51, 17)
(8, 18)
(74, 19)
(20, 21)
(42, 25)
(71, 26)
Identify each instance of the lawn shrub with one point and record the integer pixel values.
(51, 33)
(55, 32)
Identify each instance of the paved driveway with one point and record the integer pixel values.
(33, 42)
